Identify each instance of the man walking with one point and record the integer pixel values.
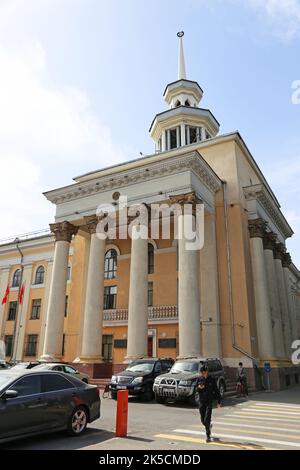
(208, 392)
(241, 375)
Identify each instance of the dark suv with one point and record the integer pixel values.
(139, 376)
(180, 382)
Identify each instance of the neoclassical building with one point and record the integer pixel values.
(102, 302)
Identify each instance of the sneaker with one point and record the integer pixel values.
(208, 439)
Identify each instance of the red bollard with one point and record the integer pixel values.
(122, 413)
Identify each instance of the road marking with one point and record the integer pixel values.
(264, 433)
(248, 413)
(234, 436)
(216, 443)
(255, 426)
(282, 405)
(265, 418)
(272, 411)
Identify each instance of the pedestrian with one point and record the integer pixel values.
(208, 392)
(241, 375)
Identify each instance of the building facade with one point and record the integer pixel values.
(102, 302)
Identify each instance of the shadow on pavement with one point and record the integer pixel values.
(60, 441)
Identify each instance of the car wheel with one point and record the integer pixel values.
(148, 394)
(78, 421)
(114, 395)
(160, 399)
(222, 388)
(194, 399)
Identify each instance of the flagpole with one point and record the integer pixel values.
(16, 334)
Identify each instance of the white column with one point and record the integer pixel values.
(203, 136)
(56, 307)
(23, 314)
(210, 313)
(269, 241)
(182, 132)
(262, 306)
(163, 141)
(278, 255)
(91, 350)
(188, 296)
(168, 140)
(137, 336)
(288, 290)
(178, 136)
(45, 300)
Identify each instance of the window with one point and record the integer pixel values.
(30, 349)
(150, 258)
(107, 347)
(150, 294)
(177, 104)
(207, 135)
(193, 135)
(54, 382)
(157, 368)
(69, 273)
(70, 370)
(12, 311)
(16, 278)
(36, 309)
(110, 264)
(39, 275)
(187, 103)
(66, 305)
(173, 138)
(110, 297)
(30, 385)
(8, 341)
(58, 368)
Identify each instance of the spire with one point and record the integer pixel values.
(181, 62)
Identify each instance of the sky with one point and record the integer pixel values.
(81, 80)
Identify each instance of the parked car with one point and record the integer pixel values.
(24, 365)
(139, 376)
(34, 402)
(180, 382)
(60, 367)
(4, 365)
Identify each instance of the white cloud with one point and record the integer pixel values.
(46, 133)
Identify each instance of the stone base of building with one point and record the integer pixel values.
(102, 370)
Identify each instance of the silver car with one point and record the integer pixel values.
(64, 368)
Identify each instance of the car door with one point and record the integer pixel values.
(60, 395)
(24, 413)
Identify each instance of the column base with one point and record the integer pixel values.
(50, 358)
(96, 370)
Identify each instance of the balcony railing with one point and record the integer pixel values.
(163, 312)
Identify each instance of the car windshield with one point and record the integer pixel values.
(140, 367)
(43, 367)
(4, 380)
(185, 366)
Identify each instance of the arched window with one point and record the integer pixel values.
(39, 275)
(110, 264)
(177, 104)
(16, 278)
(187, 103)
(150, 258)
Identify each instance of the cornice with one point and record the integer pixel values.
(260, 193)
(189, 161)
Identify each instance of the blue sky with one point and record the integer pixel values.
(81, 81)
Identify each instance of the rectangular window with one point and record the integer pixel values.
(36, 309)
(66, 305)
(150, 294)
(110, 297)
(173, 138)
(107, 347)
(167, 342)
(31, 345)
(120, 343)
(8, 341)
(207, 135)
(193, 135)
(12, 311)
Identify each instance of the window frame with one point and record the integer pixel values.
(39, 277)
(29, 344)
(110, 264)
(36, 309)
(16, 278)
(15, 302)
(108, 296)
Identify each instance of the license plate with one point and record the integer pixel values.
(121, 387)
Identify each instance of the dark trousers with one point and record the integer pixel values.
(205, 410)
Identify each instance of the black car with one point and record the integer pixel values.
(41, 402)
(139, 376)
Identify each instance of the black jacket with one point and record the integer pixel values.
(210, 392)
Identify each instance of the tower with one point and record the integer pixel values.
(184, 123)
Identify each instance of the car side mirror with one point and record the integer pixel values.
(10, 394)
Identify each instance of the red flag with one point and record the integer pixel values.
(4, 300)
(21, 294)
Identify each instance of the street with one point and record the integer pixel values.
(263, 422)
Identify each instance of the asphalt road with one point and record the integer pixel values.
(265, 421)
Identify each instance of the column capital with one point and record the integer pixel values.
(63, 231)
(257, 228)
(279, 251)
(269, 240)
(91, 222)
(185, 198)
(286, 260)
